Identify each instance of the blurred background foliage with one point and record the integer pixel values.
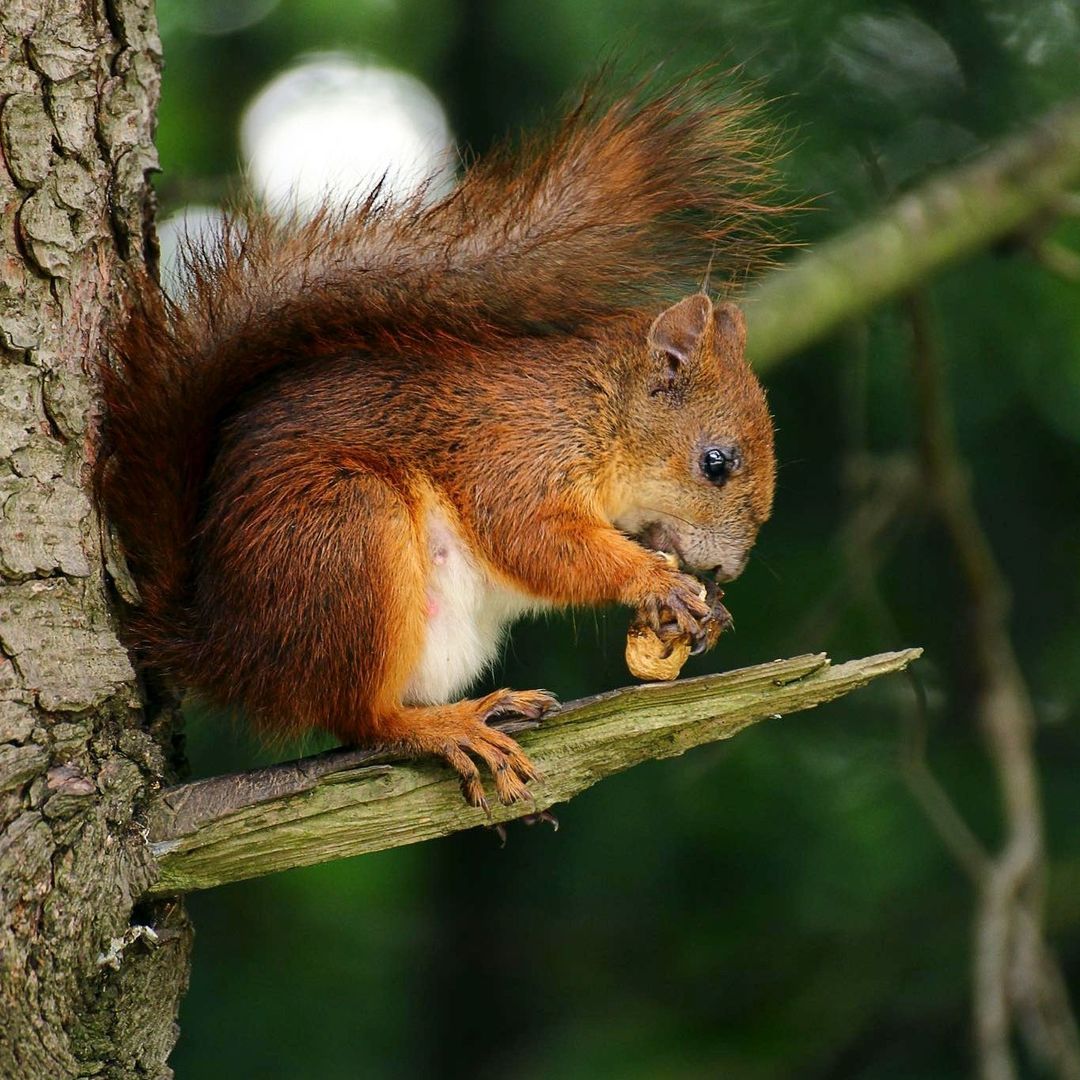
(776, 907)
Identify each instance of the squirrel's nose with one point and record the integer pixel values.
(730, 569)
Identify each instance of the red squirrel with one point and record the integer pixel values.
(364, 443)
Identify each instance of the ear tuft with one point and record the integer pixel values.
(677, 332)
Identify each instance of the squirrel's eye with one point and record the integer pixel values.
(719, 462)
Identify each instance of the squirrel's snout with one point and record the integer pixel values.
(732, 565)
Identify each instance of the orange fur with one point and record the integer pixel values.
(355, 428)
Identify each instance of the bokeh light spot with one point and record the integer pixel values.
(330, 129)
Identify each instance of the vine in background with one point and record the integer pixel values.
(1016, 979)
(1017, 982)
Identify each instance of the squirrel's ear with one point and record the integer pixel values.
(729, 337)
(675, 337)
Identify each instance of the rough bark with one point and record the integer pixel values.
(89, 982)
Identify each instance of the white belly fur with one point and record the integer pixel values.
(468, 614)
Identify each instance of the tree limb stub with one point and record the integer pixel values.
(952, 215)
(350, 802)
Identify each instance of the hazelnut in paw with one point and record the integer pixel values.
(675, 604)
(658, 643)
(651, 659)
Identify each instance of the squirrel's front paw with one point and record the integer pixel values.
(678, 607)
(719, 618)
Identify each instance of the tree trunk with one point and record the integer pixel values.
(89, 982)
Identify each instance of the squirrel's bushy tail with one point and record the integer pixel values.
(620, 204)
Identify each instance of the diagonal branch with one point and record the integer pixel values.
(958, 212)
(349, 802)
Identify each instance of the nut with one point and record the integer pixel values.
(651, 659)
(654, 660)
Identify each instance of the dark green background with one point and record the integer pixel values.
(776, 907)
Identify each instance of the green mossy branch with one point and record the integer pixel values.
(958, 212)
(345, 803)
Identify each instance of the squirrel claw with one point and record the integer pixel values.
(520, 710)
(543, 816)
(718, 621)
(513, 725)
(679, 612)
(486, 735)
(688, 610)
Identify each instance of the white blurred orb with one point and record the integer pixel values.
(330, 129)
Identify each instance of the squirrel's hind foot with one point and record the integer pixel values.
(466, 729)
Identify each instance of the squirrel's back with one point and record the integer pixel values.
(554, 237)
